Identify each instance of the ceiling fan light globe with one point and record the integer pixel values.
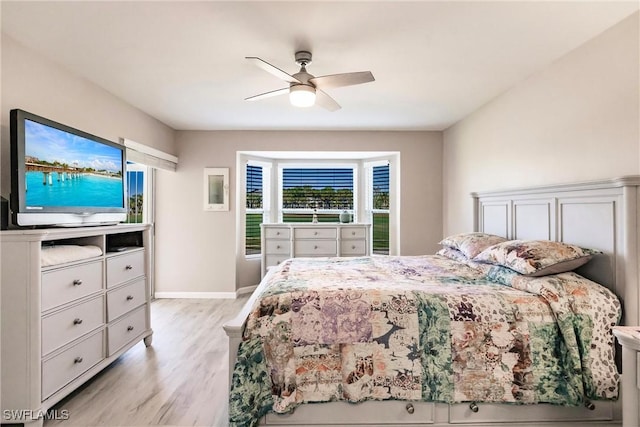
(302, 96)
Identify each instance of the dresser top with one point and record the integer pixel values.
(39, 234)
(318, 224)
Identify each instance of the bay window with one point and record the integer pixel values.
(324, 185)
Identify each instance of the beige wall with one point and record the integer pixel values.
(35, 84)
(196, 250)
(576, 120)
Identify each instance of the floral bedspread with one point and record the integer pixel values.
(422, 328)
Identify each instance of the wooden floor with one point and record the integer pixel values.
(181, 380)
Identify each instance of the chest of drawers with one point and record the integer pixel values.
(63, 323)
(283, 241)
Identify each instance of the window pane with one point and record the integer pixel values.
(321, 188)
(254, 187)
(252, 236)
(381, 203)
(254, 201)
(381, 233)
(135, 190)
(381, 187)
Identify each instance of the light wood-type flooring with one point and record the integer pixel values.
(181, 380)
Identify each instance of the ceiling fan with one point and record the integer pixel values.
(306, 90)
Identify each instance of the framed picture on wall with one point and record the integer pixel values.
(216, 189)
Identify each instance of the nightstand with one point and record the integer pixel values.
(629, 339)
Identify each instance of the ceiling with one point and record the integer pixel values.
(183, 62)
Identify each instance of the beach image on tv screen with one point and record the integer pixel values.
(67, 170)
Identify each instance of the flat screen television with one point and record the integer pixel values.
(61, 176)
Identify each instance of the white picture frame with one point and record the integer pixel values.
(216, 189)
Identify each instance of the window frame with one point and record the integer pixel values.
(272, 160)
(266, 200)
(147, 190)
(370, 210)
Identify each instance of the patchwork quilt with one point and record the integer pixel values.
(422, 328)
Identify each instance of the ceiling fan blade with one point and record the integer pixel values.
(325, 101)
(268, 94)
(273, 70)
(339, 80)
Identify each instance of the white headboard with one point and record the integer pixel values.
(599, 214)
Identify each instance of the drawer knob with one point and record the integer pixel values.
(77, 282)
(353, 233)
(315, 233)
(589, 405)
(278, 247)
(410, 408)
(353, 246)
(277, 233)
(77, 360)
(129, 297)
(129, 267)
(129, 328)
(474, 407)
(77, 321)
(315, 247)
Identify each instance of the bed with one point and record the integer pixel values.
(398, 340)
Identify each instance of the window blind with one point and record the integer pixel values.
(145, 155)
(254, 214)
(322, 188)
(381, 187)
(254, 187)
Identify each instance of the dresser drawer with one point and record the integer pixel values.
(124, 330)
(272, 260)
(353, 233)
(315, 247)
(123, 268)
(353, 247)
(71, 363)
(382, 413)
(277, 246)
(64, 326)
(126, 298)
(315, 233)
(67, 284)
(277, 233)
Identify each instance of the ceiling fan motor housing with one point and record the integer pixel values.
(303, 58)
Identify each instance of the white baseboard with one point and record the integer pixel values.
(246, 290)
(201, 295)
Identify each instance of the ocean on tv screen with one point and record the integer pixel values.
(88, 190)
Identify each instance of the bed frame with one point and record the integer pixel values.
(598, 214)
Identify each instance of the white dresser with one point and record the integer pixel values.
(283, 241)
(629, 339)
(63, 323)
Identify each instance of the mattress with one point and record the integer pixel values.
(422, 328)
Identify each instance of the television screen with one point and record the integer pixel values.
(64, 176)
(64, 169)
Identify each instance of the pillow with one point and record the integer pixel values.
(536, 257)
(452, 253)
(471, 244)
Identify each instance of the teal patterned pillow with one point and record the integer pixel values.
(471, 244)
(536, 257)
